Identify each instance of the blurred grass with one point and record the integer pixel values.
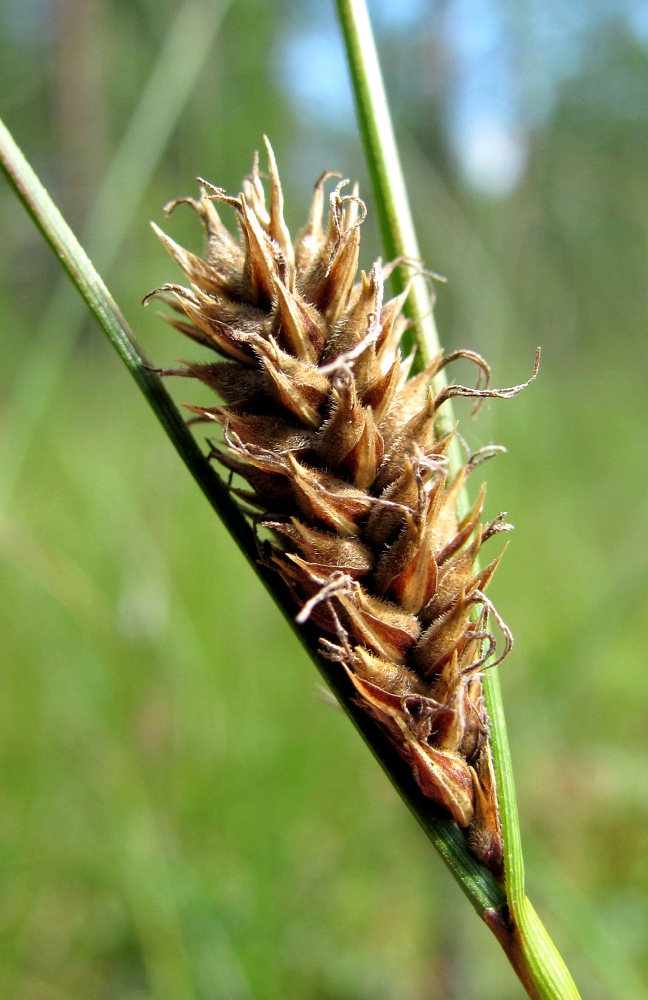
(142, 146)
(175, 820)
(181, 816)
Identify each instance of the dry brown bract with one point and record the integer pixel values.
(341, 455)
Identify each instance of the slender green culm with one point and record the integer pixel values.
(479, 884)
(383, 162)
(528, 945)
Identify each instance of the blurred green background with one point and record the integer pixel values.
(181, 816)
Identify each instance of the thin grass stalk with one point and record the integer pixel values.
(383, 162)
(479, 885)
(527, 943)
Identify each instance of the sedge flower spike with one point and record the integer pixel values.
(337, 455)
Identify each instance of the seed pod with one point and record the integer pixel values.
(324, 435)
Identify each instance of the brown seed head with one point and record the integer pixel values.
(340, 453)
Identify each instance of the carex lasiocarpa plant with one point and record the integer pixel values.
(338, 458)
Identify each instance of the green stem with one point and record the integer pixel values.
(482, 889)
(393, 208)
(521, 933)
